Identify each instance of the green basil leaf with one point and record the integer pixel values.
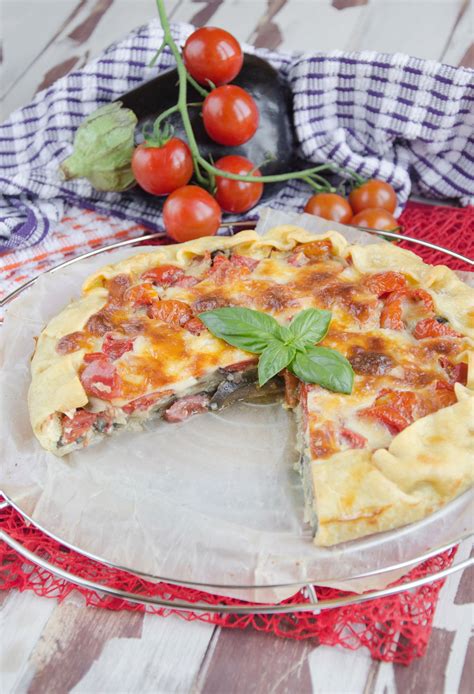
(324, 366)
(273, 359)
(311, 325)
(242, 327)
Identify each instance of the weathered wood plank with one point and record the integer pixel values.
(459, 44)
(420, 678)
(23, 42)
(417, 27)
(316, 26)
(165, 659)
(335, 669)
(467, 680)
(81, 632)
(95, 25)
(23, 617)
(253, 662)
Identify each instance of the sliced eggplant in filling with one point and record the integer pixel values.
(220, 389)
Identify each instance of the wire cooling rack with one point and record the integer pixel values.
(245, 608)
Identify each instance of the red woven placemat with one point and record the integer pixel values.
(394, 628)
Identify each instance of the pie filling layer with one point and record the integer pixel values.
(134, 349)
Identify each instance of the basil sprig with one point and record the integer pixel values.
(293, 346)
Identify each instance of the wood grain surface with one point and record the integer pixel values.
(51, 648)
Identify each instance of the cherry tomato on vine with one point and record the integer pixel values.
(375, 218)
(230, 115)
(237, 196)
(372, 194)
(212, 54)
(329, 206)
(191, 212)
(160, 170)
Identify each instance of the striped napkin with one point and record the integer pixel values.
(402, 119)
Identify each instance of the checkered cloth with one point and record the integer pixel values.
(388, 116)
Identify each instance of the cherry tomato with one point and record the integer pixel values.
(100, 379)
(237, 196)
(142, 294)
(79, 425)
(175, 313)
(373, 194)
(160, 170)
(230, 115)
(429, 327)
(375, 218)
(385, 282)
(212, 54)
(316, 249)
(329, 206)
(394, 408)
(191, 212)
(115, 348)
(164, 275)
(145, 402)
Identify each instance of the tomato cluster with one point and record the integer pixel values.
(213, 58)
(163, 165)
(369, 205)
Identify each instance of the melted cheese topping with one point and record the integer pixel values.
(170, 353)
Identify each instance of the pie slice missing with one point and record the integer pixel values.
(396, 449)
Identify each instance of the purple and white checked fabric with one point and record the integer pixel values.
(402, 119)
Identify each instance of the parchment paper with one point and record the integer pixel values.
(213, 500)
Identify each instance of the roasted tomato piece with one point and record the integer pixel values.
(292, 388)
(117, 287)
(115, 347)
(185, 407)
(443, 397)
(100, 379)
(142, 294)
(430, 327)
(394, 408)
(323, 441)
(316, 249)
(145, 402)
(71, 343)
(79, 425)
(99, 324)
(209, 303)
(195, 326)
(391, 315)
(244, 261)
(174, 313)
(93, 356)
(392, 312)
(457, 373)
(187, 281)
(224, 270)
(385, 282)
(423, 296)
(352, 439)
(164, 275)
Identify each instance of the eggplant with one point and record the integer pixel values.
(273, 143)
(242, 385)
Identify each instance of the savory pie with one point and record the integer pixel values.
(399, 447)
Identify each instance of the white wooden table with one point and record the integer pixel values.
(51, 648)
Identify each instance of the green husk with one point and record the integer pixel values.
(103, 148)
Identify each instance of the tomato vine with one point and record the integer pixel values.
(205, 172)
